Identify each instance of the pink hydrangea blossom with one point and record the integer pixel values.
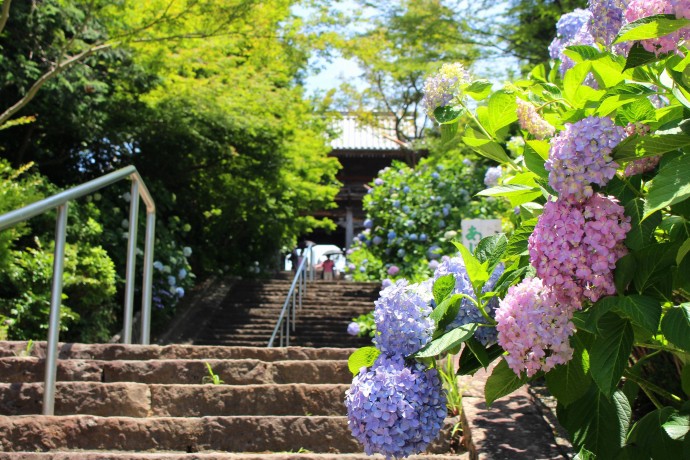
(532, 122)
(575, 246)
(534, 328)
(581, 155)
(638, 9)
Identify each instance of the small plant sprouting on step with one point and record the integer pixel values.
(211, 378)
(26, 352)
(450, 385)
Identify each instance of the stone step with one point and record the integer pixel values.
(96, 455)
(320, 434)
(142, 400)
(181, 371)
(115, 351)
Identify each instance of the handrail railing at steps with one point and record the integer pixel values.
(293, 301)
(60, 201)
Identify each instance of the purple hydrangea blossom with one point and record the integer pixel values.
(575, 246)
(532, 122)
(385, 283)
(468, 312)
(377, 240)
(446, 85)
(353, 328)
(534, 328)
(368, 223)
(393, 270)
(378, 181)
(493, 174)
(571, 29)
(571, 23)
(395, 409)
(402, 320)
(638, 9)
(610, 18)
(641, 165)
(581, 155)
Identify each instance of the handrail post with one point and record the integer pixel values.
(148, 278)
(54, 321)
(131, 262)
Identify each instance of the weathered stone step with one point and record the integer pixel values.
(111, 352)
(142, 400)
(95, 455)
(235, 434)
(165, 371)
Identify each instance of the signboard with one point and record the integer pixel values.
(473, 230)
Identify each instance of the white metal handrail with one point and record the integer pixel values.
(60, 202)
(293, 301)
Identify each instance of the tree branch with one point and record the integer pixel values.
(4, 14)
(59, 67)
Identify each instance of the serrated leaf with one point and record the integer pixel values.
(448, 114)
(638, 56)
(476, 271)
(479, 89)
(676, 326)
(650, 27)
(508, 278)
(610, 352)
(491, 249)
(508, 190)
(447, 341)
(670, 185)
(677, 426)
(469, 363)
(487, 148)
(517, 243)
(641, 232)
(569, 382)
(446, 311)
(626, 267)
(501, 382)
(683, 251)
(502, 111)
(579, 53)
(642, 311)
(649, 437)
(535, 163)
(646, 146)
(596, 422)
(449, 131)
(443, 287)
(362, 357)
(653, 263)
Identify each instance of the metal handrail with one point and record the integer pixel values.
(60, 202)
(293, 301)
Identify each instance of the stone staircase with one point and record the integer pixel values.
(244, 313)
(148, 402)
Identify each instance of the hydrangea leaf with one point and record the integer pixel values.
(570, 381)
(642, 311)
(649, 436)
(638, 56)
(641, 110)
(535, 162)
(624, 273)
(596, 422)
(470, 362)
(477, 272)
(446, 311)
(610, 351)
(641, 232)
(572, 81)
(685, 379)
(508, 278)
(447, 341)
(517, 244)
(443, 287)
(448, 131)
(502, 111)
(479, 89)
(362, 357)
(501, 382)
(676, 326)
(654, 26)
(636, 147)
(608, 71)
(486, 147)
(677, 426)
(448, 114)
(653, 264)
(580, 53)
(491, 249)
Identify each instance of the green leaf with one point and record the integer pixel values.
(683, 251)
(626, 267)
(676, 326)
(650, 27)
(471, 360)
(615, 101)
(569, 382)
(449, 131)
(642, 311)
(362, 357)
(491, 249)
(443, 287)
(501, 382)
(597, 423)
(517, 244)
(476, 271)
(508, 190)
(685, 379)
(648, 436)
(446, 311)
(638, 56)
(610, 352)
(572, 81)
(535, 162)
(502, 111)
(479, 89)
(447, 341)
(641, 232)
(670, 185)
(594, 314)
(636, 147)
(639, 111)
(653, 263)
(579, 53)
(507, 279)
(486, 147)
(448, 114)
(677, 426)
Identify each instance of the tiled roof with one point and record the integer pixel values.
(354, 135)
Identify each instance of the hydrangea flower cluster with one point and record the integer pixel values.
(446, 85)
(532, 122)
(610, 18)
(575, 246)
(468, 312)
(493, 174)
(641, 165)
(571, 29)
(402, 320)
(581, 155)
(395, 409)
(534, 328)
(638, 9)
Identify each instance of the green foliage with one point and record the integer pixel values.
(211, 378)
(363, 357)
